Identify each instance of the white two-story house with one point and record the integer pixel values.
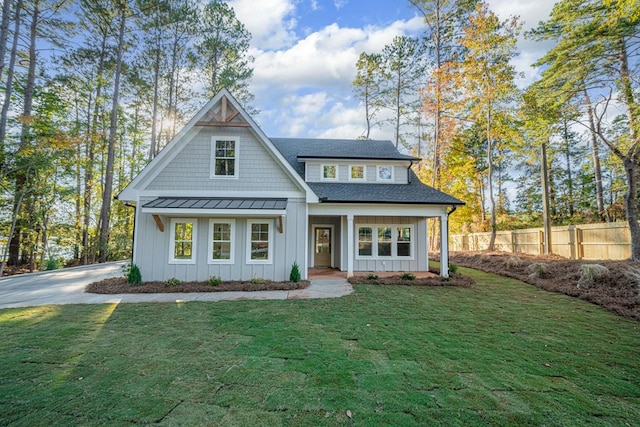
(223, 199)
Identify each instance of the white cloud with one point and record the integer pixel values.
(270, 22)
(305, 90)
(339, 4)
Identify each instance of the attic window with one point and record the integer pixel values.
(357, 173)
(329, 172)
(385, 173)
(224, 158)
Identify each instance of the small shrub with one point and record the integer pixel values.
(589, 273)
(134, 277)
(538, 270)
(173, 282)
(633, 274)
(257, 281)
(485, 258)
(52, 264)
(295, 275)
(372, 276)
(214, 281)
(408, 276)
(513, 262)
(453, 269)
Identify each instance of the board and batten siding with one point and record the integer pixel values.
(314, 172)
(153, 247)
(191, 168)
(419, 260)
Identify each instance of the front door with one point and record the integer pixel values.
(322, 256)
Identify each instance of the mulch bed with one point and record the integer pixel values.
(454, 280)
(119, 285)
(616, 291)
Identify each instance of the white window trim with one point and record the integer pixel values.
(364, 173)
(394, 242)
(232, 227)
(172, 241)
(322, 178)
(212, 161)
(269, 259)
(378, 173)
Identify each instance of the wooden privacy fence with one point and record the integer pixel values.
(603, 241)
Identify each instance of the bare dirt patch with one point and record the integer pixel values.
(615, 287)
(455, 280)
(118, 285)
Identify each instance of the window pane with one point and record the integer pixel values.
(385, 173)
(384, 249)
(329, 172)
(404, 249)
(404, 234)
(182, 250)
(221, 250)
(260, 250)
(384, 234)
(365, 234)
(357, 172)
(364, 249)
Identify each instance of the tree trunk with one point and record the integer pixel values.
(8, 91)
(567, 153)
(597, 170)
(492, 201)
(22, 175)
(4, 31)
(154, 115)
(108, 185)
(632, 160)
(631, 205)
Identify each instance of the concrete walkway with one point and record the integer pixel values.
(67, 287)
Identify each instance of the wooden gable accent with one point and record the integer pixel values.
(223, 114)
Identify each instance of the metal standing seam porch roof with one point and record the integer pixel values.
(217, 203)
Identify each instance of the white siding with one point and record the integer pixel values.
(419, 261)
(190, 169)
(152, 250)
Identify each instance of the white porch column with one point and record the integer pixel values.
(350, 250)
(444, 245)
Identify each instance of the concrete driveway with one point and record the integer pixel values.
(67, 287)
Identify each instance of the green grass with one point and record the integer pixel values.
(500, 353)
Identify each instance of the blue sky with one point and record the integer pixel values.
(305, 53)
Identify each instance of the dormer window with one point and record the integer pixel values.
(224, 158)
(385, 173)
(329, 172)
(357, 173)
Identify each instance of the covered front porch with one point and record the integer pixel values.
(386, 239)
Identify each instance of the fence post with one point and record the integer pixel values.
(540, 242)
(579, 248)
(572, 241)
(513, 242)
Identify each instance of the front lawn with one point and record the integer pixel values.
(498, 353)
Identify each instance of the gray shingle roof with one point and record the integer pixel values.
(216, 203)
(413, 193)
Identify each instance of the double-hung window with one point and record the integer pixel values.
(365, 241)
(183, 241)
(221, 241)
(385, 241)
(260, 242)
(224, 157)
